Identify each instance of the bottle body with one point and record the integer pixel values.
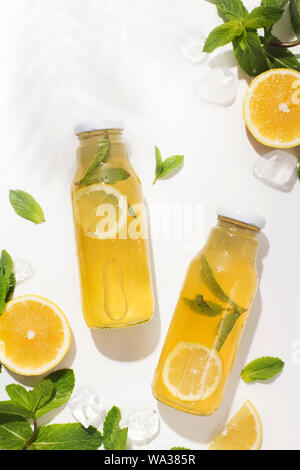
(209, 318)
(111, 234)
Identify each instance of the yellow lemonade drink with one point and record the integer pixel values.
(210, 316)
(111, 232)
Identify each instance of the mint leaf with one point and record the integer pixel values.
(7, 279)
(226, 325)
(280, 57)
(91, 175)
(12, 409)
(249, 53)
(112, 175)
(295, 15)
(19, 395)
(1, 367)
(210, 281)
(15, 432)
(263, 368)
(164, 167)
(263, 17)
(199, 305)
(114, 438)
(232, 9)
(26, 206)
(63, 384)
(223, 34)
(66, 437)
(41, 395)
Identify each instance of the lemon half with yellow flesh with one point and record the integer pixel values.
(34, 335)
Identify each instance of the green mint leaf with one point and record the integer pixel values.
(63, 381)
(26, 206)
(41, 395)
(1, 365)
(12, 409)
(280, 57)
(19, 396)
(232, 9)
(15, 432)
(263, 17)
(91, 175)
(223, 34)
(7, 279)
(11, 287)
(199, 305)
(274, 3)
(263, 368)
(66, 437)
(295, 15)
(180, 448)
(226, 325)
(31, 400)
(249, 53)
(114, 438)
(169, 164)
(210, 281)
(112, 175)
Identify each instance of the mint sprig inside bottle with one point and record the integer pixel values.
(210, 316)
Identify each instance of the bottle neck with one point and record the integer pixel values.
(90, 143)
(234, 238)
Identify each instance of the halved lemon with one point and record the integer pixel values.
(100, 210)
(192, 372)
(34, 335)
(272, 108)
(243, 432)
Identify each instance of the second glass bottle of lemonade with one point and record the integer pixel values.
(211, 312)
(111, 232)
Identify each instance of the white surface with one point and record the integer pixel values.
(68, 60)
(242, 215)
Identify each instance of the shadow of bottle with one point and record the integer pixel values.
(134, 342)
(202, 429)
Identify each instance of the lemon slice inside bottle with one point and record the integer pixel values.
(101, 211)
(192, 372)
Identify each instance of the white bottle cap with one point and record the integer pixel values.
(245, 216)
(88, 126)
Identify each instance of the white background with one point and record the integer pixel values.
(63, 61)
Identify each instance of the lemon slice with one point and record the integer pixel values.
(34, 335)
(243, 432)
(101, 211)
(272, 108)
(192, 371)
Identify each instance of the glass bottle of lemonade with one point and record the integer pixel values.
(211, 312)
(111, 232)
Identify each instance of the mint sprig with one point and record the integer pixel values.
(7, 279)
(20, 430)
(295, 15)
(263, 368)
(163, 167)
(26, 206)
(255, 54)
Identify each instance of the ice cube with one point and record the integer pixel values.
(277, 169)
(87, 408)
(143, 426)
(22, 270)
(216, 86)
(190, 44)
